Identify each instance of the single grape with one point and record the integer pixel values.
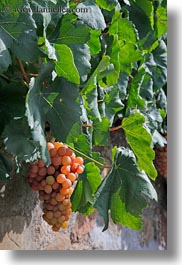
(60, 178)
(72, 176)
(62, 151)
(40, 163)
(79, 170)
(69, 152)
(61, 219)
(57, 214)
(66, 160)
(49, 215)
(42, 171)
(56, 161)
(53, 221)
(50, 180)
(34, 169)
(55, 186)
(53, 152)
(53, 201)
(79, 160)
(48, 189)
(57, 145)
(61, 207)
(64, 191)
(49, 207)
(66, 184)
(55, 228)
(64, 225)
(66, 169)
(59, 197)
(51, 170)
(50, 146)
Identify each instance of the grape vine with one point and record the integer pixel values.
(55, 183)
(77, 76)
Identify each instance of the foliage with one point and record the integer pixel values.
(79, 67)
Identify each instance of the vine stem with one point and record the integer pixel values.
(89, 125)
(25, 77)
(100, 101)
(5, 77)
(34, 75)
(89, 158)
(115, 128)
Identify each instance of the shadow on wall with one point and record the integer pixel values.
(16, 205)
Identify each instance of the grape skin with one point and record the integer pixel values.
(55, 183)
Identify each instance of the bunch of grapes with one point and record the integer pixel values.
(55, 183)
(161, 160)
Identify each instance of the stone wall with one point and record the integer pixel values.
(22, 228)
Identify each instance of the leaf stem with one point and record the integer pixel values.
(100, 101)
(89, 158)
(87, 125)
(25, 77)
(34, 75)
(5, 77)
(115, 128)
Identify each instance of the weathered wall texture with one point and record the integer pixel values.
(22, 228)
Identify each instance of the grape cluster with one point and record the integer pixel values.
(161, 160)
(55, 183)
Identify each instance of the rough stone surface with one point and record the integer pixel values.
(22, 228)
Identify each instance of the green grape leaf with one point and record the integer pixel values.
(72, 31)
(128, 55)
(94, 17)
(158, 139)
(65, 65)
(81, 142)
(162, 99)
(83, 195)
(112, 103)
(91, 104)
(123, 84)
(6, 38)
(124, 48)
(135, 100)
(123, 27)
(161, 24)
(114, 52)
(147, 7)
(47, 48)
(156, 65)
(146, 87)
(5, 58)
(153, 117)
(56, 104)
(107, 4)
(124, 192)
(101, 67)
(27, 42)
(100, 131)
(18, 140)
(78, 140)
(89, 91)
(94, 42)
(21, 29)
(12, 103)
(6, 166)
(140, 141)
(140, 13)
(82, 59)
